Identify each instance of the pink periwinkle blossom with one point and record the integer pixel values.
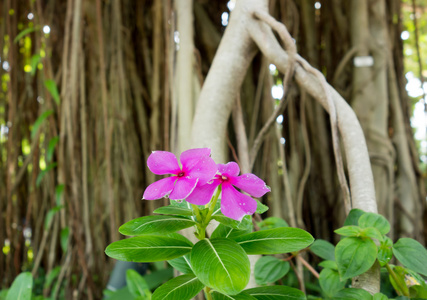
(197, 168)
(234, 204)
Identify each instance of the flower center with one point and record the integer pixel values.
(181, 174)
(224, 178)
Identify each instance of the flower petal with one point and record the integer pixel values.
(198, 164)
(163, 162)
(235, 204)
(230, 169)
(183, 188)
(202, 194)
(250, 184)
(159, 189)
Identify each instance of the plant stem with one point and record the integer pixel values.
(403, 289)
(308, 266)
(207, 294)
(212, 206)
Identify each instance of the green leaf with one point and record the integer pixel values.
(35, 59)
(261, 208)
(183, 287)
(228, 232)
(353, 294)
(51, 148)
(25, 32)
(182, 264)
(137, 284)
(269, 269)
(380, 296)
(241, 296)
(349, 230)
(50, 277)
(64, 238)
(272, 222)
(411, 254)
(59, 189)
(156, 278)
(155, 225)
(323, 249)
(53, 89)
(276, 292)
(39, 122)
(148, 248)
(418, 291)
(355, 256)
(49, 216)
(329, 264)
(353, 217)
(43, 173)
(275, 241)
(21, 287)
(374, 220)
(330, 282)
(385, 252)
(174, 210)
(221, 264)
(372, 232)
(244, 224)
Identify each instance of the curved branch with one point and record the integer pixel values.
(359, 168)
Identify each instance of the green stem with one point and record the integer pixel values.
(207, 294)
(197, 212)
(212, 206)
(404, 289)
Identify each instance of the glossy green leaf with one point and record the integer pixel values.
(269, 269)
(53, 90)
(183, 287)
(276, 292)
(174, 210)
(240, 296)
(385, 252)
(353, 294)
(374, 220)
(329, 264)
(244, 224)
(261, 208)
(349, 230)
(379, 296)
(182, 264)
(372, 232)
(148, 248)
(398, 282)
(21, 287)
(137, 284)
(330, 282)
(221, 264)
(353, 217)
(228, 232)
(411, 254)
(323, 249)
(155, 225)
(156, 278)
(272, 222)
(39, 122)
(355, 256)
(275, 241)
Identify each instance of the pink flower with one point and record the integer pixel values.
(197, 168)
(233, 203)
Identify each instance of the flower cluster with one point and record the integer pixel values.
(197, 179)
